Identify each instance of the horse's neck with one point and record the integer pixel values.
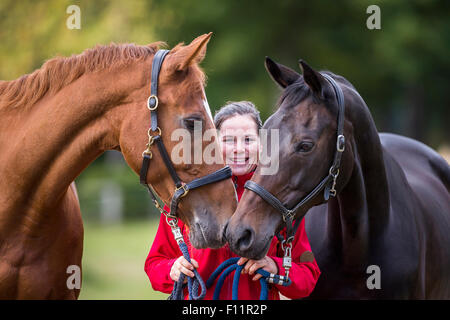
(361, 211)
(51, 142)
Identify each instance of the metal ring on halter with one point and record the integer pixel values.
(171, 220)
(158, 131)
(172, 223)
(334, 174)
(289, 215)
(155, 98)
(287, 243)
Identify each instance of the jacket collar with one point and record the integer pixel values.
(241, 180)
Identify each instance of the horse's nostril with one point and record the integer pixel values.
(246, 240)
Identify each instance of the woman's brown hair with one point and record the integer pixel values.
(237, 108)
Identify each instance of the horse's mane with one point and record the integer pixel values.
(61, 71)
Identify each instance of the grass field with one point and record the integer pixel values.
(113, 261)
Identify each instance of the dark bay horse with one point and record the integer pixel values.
(57, 120)
(391, 214)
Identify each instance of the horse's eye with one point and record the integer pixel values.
(304, 146)
(190, 123)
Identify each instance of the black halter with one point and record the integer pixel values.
(181, 188)
(327, 184)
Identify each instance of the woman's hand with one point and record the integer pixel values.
(181, 265)
(250, 268)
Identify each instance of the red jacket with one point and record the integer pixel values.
(165, 251)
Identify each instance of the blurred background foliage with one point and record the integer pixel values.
(402, 71)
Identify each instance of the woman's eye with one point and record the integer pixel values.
(249, 139)
(304, 146)
(228, 140)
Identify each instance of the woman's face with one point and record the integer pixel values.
(240, 143)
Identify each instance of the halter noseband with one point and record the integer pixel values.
(327, 184)
(181, 188)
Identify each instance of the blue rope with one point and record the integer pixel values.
(193, 283)
(223, 270)
(231, 265)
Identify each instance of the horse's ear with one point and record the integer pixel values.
(314, 80)
(282, 75)
(192, 53)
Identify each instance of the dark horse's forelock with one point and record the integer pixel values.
(295, 93)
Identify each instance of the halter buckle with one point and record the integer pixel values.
(340, 143)
(152, 102)
(185, 190)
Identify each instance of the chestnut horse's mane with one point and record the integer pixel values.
(61, 71)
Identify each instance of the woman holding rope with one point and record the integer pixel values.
(238, 124)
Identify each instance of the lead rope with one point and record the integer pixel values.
(195, 283)
(231, 265)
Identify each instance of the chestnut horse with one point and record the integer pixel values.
(57, 120)
(386, 233)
